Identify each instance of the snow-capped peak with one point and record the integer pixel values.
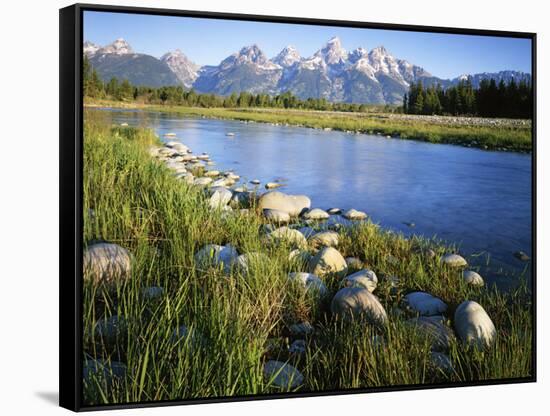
(118, 47)
(357, 54)
(332, 52)
(181, 66)
(287, 57)
(90, 48)
(249, 55)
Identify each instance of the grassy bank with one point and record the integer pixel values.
(493, 135)
(237, 321)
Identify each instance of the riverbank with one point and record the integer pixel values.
(491, 134)
(140, 195)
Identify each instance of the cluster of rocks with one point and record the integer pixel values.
(315, 256)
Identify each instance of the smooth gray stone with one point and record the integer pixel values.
(106, 263)
(473, 325)
(358, 302)
(282, 375)
(425, 304)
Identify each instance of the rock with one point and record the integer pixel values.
(520, 255)
(441, 362)
(232, 177)
(106, 373)
(309, 281)
(358, 302)
(425, 304)
(273, 185)
(221, 182)
(353, 214)
(180, 147)
(219, 197)
(245, 261)
(276, 215)
(294, 205)
(473, 325)
(214, 255)
(288, 235)
(203, 181)
(171, 143)
(299, 256)
(106, 263)
(328, 261)
(315, 214)
(241, 199)
(302, 328)
(324, 238)
(152, 292)
(472, 278)
(110, 330)
(255, 182)
(297, 347)
(212, 173)
(434, 328)
(364, 278)
(334, 211)
(354, 263)
(282, 375)
(453, 260)
(204, 156)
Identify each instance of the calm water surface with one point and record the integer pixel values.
(479, 200)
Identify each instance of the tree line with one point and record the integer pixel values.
(509, 100)
(123, 90)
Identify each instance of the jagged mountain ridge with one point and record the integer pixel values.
(359, 76)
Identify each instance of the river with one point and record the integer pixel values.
(479, 200)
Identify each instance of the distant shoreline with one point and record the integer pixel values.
(495, 134)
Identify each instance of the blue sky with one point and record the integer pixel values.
(208, 41)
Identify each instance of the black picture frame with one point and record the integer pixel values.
(70, 182)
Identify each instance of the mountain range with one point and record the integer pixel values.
(359, 76)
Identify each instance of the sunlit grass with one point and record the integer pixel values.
(232, 317)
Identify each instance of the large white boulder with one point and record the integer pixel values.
(365, 278)
(425, 304)
(106, 263)
(219, 197)
(294, 205)
(309, 282)
(328, 261)
(473, 325)
(359, 302)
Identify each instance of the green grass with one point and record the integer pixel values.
(505, 136)
(140, 205)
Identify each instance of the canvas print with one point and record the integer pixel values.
(290, 208)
